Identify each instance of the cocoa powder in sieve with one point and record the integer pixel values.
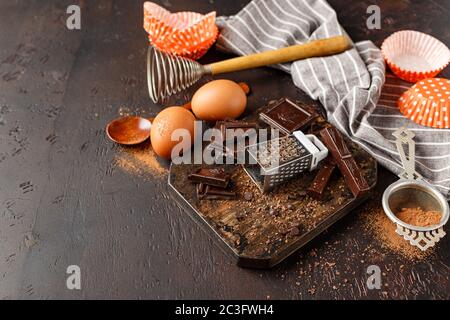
(418, 217)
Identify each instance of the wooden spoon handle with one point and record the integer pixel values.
(316, 48)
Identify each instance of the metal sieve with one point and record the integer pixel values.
(411, 191)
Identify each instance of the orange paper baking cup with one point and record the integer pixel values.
(428, 103)
(186, 34)
(414, 56)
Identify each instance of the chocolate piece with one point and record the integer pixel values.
(294, 232)
(288, 116)
(200, 188)
(208, 192)
(223, 126)
(345, 161)
(248, 195)
(274, 212)
(242, 131)
(215, 177)
(317, 187)
(241, 215)
(298, 195)
(234, 125)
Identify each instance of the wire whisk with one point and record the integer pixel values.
(168, 74)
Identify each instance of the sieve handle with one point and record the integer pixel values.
(404, 139)
(316, 48)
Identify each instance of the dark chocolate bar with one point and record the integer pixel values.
(234, 125)
(317, 187)
(207, 192)
(288, 116)
(344, 160)
(237, 148)
(216, 177)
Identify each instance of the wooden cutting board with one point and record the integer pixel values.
(260, 230)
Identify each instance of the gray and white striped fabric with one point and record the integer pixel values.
(351, 85)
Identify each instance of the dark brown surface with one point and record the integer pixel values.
(64, 201)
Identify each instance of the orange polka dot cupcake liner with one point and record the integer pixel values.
(428, 103)
(414, 56)
(186, 34)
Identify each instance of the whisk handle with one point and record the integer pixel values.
(316, 48)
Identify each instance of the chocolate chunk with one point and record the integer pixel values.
(235, 137)
(288, 116)
(208, 192)
(294, 232)
(274, 212)
(248, 195)
(344, 160)
(241, 215)
(317, 187)
(237, 127)
(216, 177)
(200, 188)
(238, 135)
(298, 195)
(296, 224)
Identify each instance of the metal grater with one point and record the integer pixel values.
(275, 162)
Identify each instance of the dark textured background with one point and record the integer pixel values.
(63, 202)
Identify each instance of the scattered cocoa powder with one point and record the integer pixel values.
(133, 111)
(418, 217)
(140, 160)
(383, 230)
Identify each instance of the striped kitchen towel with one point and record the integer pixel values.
(351, 85)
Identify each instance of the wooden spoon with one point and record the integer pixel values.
(129, 130)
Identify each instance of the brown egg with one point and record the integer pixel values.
(165, 123)
(219, 100)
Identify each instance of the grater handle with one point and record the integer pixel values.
(314, 146)
(319, 156)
